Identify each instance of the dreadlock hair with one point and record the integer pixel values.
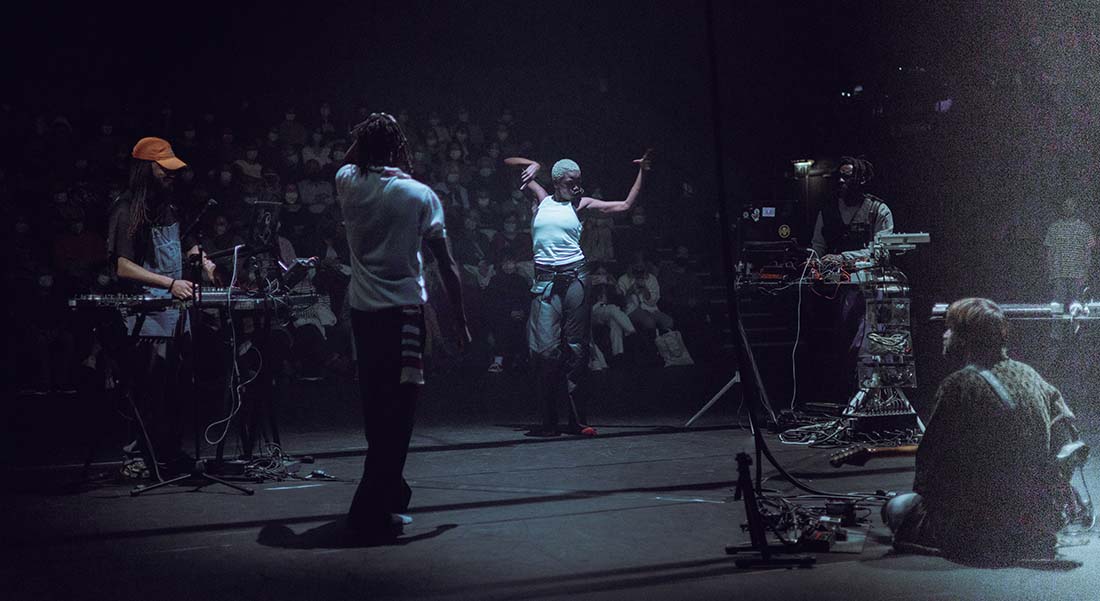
(141, 182)
(379, 142)
(862, 169)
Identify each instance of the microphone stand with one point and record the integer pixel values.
(210, 202)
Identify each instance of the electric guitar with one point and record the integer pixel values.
(860, 455)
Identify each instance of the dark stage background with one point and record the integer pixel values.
(978, 116)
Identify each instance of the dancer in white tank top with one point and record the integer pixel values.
(558, 327)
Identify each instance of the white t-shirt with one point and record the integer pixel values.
(556, 232)
(387, 215)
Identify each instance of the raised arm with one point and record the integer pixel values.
(620, 206)
(530, 170)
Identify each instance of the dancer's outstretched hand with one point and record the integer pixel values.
(646, 162)
(529, 174)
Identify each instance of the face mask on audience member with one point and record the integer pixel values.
(61, 197)
(290, 116)
(432, 142)
(461, 136)
(494, 152)
(419, 156)
(452, 178)
(225, 177)
(220, 228)
(273, 136)
(189, 134)
(508, 267)
(510, 226)
(464, 117)
(45, 281)
(103, 279)
(106, 129)
(455, 155)
(483, 202)
(22, 227)
(433, 121)
(317, 208)
(292, 158)
(485, 172)
(77, 227)
(251, 155)
(317, 137)
(638, 220)
(470, 224)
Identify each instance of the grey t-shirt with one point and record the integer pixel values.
(387, 216)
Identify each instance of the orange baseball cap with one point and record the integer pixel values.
(159, 150)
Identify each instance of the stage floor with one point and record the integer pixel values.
(643, 511)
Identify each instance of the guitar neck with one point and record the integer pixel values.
(902, 451)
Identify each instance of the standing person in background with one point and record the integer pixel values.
(558, 329)
(388, 215)
(1069, 242)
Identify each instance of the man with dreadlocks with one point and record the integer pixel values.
(143, 241)
(388, 216)
(846, 227)
(843, 233)
(558, 326)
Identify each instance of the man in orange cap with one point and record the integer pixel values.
(143, 241)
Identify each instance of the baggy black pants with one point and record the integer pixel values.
(388, 415)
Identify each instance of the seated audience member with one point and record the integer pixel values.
(510, 241)
(507, 299)
(641, 291)
(607, 312)
(682, 295)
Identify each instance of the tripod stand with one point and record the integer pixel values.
(746, 488)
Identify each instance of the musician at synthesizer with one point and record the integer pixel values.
(389, 216)
(987, 487)
(143, 242)
(843, 233)
(845, 227)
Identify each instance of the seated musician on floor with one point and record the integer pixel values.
(988, 487)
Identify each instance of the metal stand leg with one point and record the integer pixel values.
(736, 379)
(198, 472)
